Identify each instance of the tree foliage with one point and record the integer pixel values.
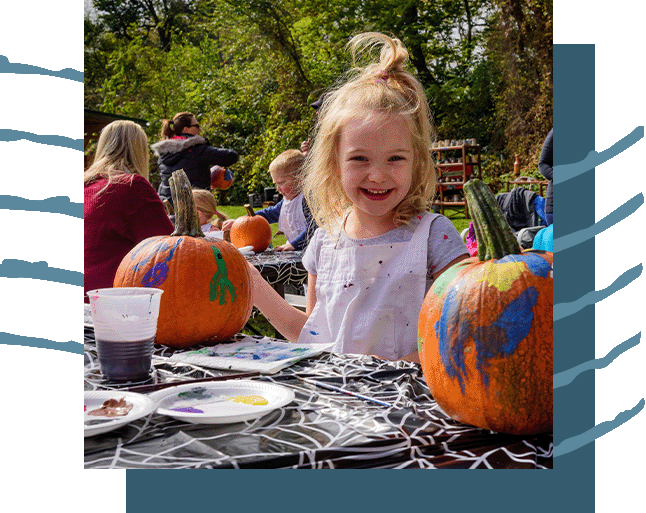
(248, 69)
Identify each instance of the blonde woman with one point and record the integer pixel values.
(121, 208)
(369, 177)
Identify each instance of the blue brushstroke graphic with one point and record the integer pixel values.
(13, 268)
(565, 172)
(10, 339)
(566, 377)
(55, 205)
(575, 442)
(562, 310)
(53, 140)
(611, 219)
(17, 68)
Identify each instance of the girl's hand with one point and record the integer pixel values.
(226, 225)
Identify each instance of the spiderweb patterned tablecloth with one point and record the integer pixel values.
(319, 429)
(281, 267)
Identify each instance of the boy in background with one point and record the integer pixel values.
(291, 213)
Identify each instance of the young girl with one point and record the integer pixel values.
(369, 177)
(207, 209)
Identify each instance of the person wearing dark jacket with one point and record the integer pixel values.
(545, 168)
(182, 147)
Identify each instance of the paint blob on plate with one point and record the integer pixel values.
(112, 408)
(254, 400)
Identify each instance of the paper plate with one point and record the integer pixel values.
(142, 405)
(247, 250)
(213, 403)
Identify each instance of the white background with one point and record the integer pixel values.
(617, 30)
(50, 34)
(44, 465)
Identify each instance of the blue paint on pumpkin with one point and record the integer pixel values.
(157, 274)
(536, 264)
(500, 339)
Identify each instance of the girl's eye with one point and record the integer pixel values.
(358, 158)
(396, 158)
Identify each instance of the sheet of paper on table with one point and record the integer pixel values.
(265, 355)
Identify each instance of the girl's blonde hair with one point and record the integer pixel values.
(205, 202)
(380, 89)
(122, 150)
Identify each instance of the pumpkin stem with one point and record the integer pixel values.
(493, 233)
(250, 211)
(187, 222)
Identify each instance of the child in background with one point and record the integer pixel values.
(291, 213)
(369, 178)
(207, 209)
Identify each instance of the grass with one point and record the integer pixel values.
(456, 216)
(233, 212)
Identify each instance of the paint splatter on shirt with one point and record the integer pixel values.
(444, 244)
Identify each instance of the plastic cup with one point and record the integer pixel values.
(125, 324)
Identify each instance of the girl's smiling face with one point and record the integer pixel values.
(376, 165)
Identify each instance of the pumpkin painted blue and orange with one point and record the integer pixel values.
(221, 178)
(485, 334)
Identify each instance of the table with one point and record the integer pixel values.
(280, 268)
(528, 181)
(319, 429)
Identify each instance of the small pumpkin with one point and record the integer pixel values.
(221, 178)
(485, 329)
(206, 282)
(251, 230)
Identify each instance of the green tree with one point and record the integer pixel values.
(520, 43)
(248, 69)
(159, 20)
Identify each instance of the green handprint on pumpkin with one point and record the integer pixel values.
(220, 282)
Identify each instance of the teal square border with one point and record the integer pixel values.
(568, 487)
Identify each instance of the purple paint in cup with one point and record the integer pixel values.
(125, 324)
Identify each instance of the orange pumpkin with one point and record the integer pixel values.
(221, 178)
(485, 329)
(207, 284)
(251, 230)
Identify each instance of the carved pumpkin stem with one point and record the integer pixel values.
(187, 221)
(250, 211)
(494, 235)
